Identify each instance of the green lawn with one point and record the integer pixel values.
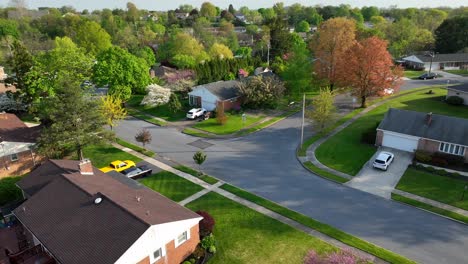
(246, 236)
(170, 185)
(321, 227)
(431, 208)
(161, 111)
(143, 116)
(102, 155)
(323, 173)
(206, 178)
(413, 74)
(196, 133)
(136, 148)
(443, 189)
(234, 123)
(459, 72)
(345, 152)
(9, 192)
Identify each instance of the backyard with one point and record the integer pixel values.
(234, 123)
(345, 152)
(170, 185)
(161, 111)
(440, 188)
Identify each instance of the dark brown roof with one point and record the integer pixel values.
(61, 207)
(13, 129)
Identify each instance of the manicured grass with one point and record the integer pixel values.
(246, 236)
(443, 189)
(413, 74)
(431, 208)
(206, 178)
(170, 185)
(195, 133)
(161, 111)
(458, 72)
(9, 192)
(345, 152)
(321, 227)
(103, 155)
(141, 115)
(324, 173)
(129, 145)
(268, 123)
(234, 123)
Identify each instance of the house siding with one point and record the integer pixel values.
(433, 147)
(25, 163)
(459, 94)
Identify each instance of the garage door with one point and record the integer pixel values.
(398, 141)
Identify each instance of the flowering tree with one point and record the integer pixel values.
(157, 95)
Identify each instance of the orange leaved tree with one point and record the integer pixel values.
(368, 69)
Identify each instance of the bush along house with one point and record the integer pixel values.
(74, 213)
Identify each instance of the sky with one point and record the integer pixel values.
(172, 4)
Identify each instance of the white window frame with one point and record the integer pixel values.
(450, 148)
(176, 240)
(162, 254)
(15, 155)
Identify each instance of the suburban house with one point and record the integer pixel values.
(454, 61)
(209, 95)
(74, 213)
(410, 131)
(17, 145)
(460, 91)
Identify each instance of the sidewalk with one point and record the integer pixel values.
(215, 188)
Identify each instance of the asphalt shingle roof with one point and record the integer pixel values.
(14, 130)
(442, 128)
(452, 57)
(460, 87)
(224, 90)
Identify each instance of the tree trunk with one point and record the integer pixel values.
(331, 86)
(111, 127)
(80, 153)
(363, 102)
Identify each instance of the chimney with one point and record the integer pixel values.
(429, 118)
(86, 167)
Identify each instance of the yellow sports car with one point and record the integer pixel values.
(118, 166)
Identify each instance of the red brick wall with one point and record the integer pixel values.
(379, 138)
(428, 145)
(232, 105)
(177, 255)
(144, 261)
(23, 165)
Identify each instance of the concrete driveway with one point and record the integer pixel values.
(381, 182)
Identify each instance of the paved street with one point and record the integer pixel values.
(265, 164)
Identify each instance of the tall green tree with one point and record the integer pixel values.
(451, 35)
(323, 109)
(21, 63)
(208, 10)
(74, 122)
(92, 37)
(298, 72)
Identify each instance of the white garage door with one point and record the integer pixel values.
(399, 141)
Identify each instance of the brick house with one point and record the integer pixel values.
(17, 146)
(410, 131)
(78, 214)
(210, 95)
(460, 90)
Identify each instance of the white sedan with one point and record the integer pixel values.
(195, 113)
(383, 160)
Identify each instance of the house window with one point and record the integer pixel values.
(157, 254)
(452, 149)
(14, 157)
(181, 238)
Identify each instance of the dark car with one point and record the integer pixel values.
(428, 76)
(137, 172)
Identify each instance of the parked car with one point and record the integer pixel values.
(428, 76)
(383, 160)
(118, 166)
(137, 172)
(195, 113)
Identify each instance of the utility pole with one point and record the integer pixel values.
(432, 55)
(268, 55)
(303, 116)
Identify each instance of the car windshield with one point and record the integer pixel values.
(379, 161)
(190, 112)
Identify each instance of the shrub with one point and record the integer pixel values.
(221, 117)
(199, 252)
(208, 241)
(454, 100)
(206, 224)
(422, 156)
(186, 262)
(368, 137)
(451, 159)
(437, 161)
(174, 104)
(212, 249)
(9, 192)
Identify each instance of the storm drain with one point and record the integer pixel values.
(201, 144)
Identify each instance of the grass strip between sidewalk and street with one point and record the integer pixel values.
(144, 117)
(196, 133)
(206, 178)
(136, 148)
(431, 208)
(321, 227)
(323, 173)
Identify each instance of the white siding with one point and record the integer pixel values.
(459, 94)
(208, 100)
(157, 236)
(400, 141)
(14, 147)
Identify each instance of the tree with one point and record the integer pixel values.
(186, 45)
(132, 13)
(156, 95)
(206, 224)
(199, 157)
(74, 121)
(143, 136)
(369, 11)
(174, 104)
(92, 37)
(220, 51)
(231, 9)
(297, 74)
(451, 35)
(368, 69)
(221, 117)
(323, 109)
(21, 63)
(334, 37)
(261, 92)
(122, 71)
(208, 10)
(302, 26)
(112, 109)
